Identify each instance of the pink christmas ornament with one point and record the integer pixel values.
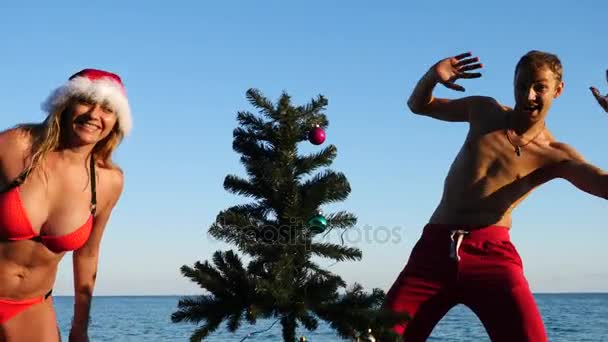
(316, 136)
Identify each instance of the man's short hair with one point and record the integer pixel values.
(537, 59)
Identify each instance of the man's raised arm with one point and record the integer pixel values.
(446, 72)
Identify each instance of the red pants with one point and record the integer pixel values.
(479, 268)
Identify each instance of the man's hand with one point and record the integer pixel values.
(448, 70)
(602, 100)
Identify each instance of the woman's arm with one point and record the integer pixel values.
(85, 260)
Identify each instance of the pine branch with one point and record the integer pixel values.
(263, 140)
(193, 310)
(257, 267)
(262, 172)
(231, 268)
(257, 210)
(314, 106)
(309, 164)
(324, 188)
(249, 146)
(309, 322)
(234, 321)
(284, 105)
(318, 271)
(251, 121)
(257, 100)
(204, 331)
(266, 253)
(280, 284)
(356, 311)
(335, 252)
(321, 289)
(243, 187)
(235, 228)
(227, 279)
(233, 293)
(340, 220)
(197, 310)
(313, 120)
(206, 276)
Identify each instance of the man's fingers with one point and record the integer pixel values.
(454, 86)
(466, 61)
(463, 55)
(470, 75)
(596, 93)
(602, 100)
(471, 67)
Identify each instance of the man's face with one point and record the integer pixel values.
(535, 90)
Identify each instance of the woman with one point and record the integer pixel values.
(58, 188)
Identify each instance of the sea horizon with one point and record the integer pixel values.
(186, 295)
(148, 318)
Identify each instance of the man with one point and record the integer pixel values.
(465, 254)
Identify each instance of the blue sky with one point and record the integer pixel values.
(187, 67)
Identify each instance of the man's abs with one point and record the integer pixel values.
(487, 180)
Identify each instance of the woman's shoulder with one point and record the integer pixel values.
(112, 177)
(16, 140)
(16, 136)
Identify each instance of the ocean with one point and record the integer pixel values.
(567, 317)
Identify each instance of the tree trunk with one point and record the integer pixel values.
(289, 328)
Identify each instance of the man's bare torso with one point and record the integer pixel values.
(487, 178)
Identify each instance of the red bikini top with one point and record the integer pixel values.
(15, 224)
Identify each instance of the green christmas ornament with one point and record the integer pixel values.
(317, 224)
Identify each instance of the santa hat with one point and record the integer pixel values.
(98, 85)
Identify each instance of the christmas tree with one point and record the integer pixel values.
(281, 233)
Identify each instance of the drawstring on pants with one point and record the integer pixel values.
(455, 244)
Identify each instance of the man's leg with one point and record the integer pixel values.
(424, 301)
(509, 315)
(501, 297)
(423, 289)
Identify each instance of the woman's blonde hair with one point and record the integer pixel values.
(48, 136)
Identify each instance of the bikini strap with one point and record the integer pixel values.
(93, 189)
